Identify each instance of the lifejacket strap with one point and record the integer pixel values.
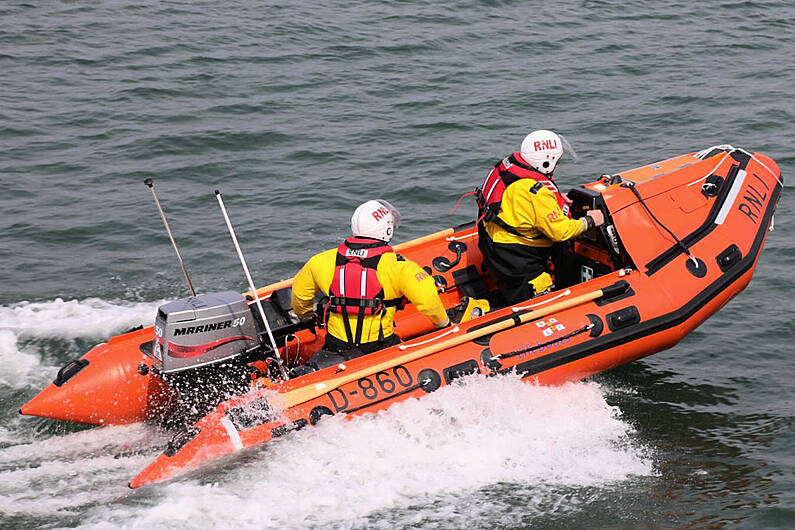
(515, 161)
(336, 302)
(347, 324)
(359, 326)
(508, 228)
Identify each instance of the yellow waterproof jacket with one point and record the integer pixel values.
(398, 278)
(535, 215)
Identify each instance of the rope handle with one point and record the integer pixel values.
(404, 347)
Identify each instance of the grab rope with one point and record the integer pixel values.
(516, 309)
(537, 346)
(778, 178)
(712, 171)
(731, 149)
(631, 186)
(448, 332)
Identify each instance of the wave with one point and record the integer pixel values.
(400, 467)
(65, 474)
(23, 360)
(90, 317)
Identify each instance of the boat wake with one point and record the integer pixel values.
(437, 461)
(35, 336)
(69, 473)
(440, 460)
(91, 317)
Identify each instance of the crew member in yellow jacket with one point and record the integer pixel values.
(365, 282)
(522, 213)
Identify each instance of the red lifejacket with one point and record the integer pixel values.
(355, 289)
(503, 174)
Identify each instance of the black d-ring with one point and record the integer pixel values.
(442, 264)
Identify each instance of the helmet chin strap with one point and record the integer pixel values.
(371, 237)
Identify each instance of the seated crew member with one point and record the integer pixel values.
(365, 282)
(521, 214)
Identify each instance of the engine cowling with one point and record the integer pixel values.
(203, 330)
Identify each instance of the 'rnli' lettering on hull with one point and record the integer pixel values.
(754, 199)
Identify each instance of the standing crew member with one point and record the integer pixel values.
(521, 213)
(365, 282)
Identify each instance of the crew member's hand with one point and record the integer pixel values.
(309, 319)
(597, 216)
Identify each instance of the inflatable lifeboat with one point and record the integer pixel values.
(681, 238)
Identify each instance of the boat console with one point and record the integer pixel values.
(595, 252)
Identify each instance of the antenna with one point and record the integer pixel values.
(149, 182)
(251, 285)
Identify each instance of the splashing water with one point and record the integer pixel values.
(433, 461)
(23, 325)
(17, 364)
(91, 317)
(410, 460)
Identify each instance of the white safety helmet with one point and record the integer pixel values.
(377, 219)
(542, 149)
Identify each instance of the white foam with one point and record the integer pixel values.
(6, 436)
(17, 364)
(91, 317)
(67, 473)
(63, 319)
(410, 460)
(82, 444)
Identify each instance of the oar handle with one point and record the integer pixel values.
(306, 393)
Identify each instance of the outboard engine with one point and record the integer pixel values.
(203, 345)
(207, 329)
(201, 348)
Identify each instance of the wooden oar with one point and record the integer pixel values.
(309, 392)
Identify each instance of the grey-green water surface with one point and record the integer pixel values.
(300, 111)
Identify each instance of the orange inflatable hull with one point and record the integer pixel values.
(623, 294)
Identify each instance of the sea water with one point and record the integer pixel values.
(298, 113)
